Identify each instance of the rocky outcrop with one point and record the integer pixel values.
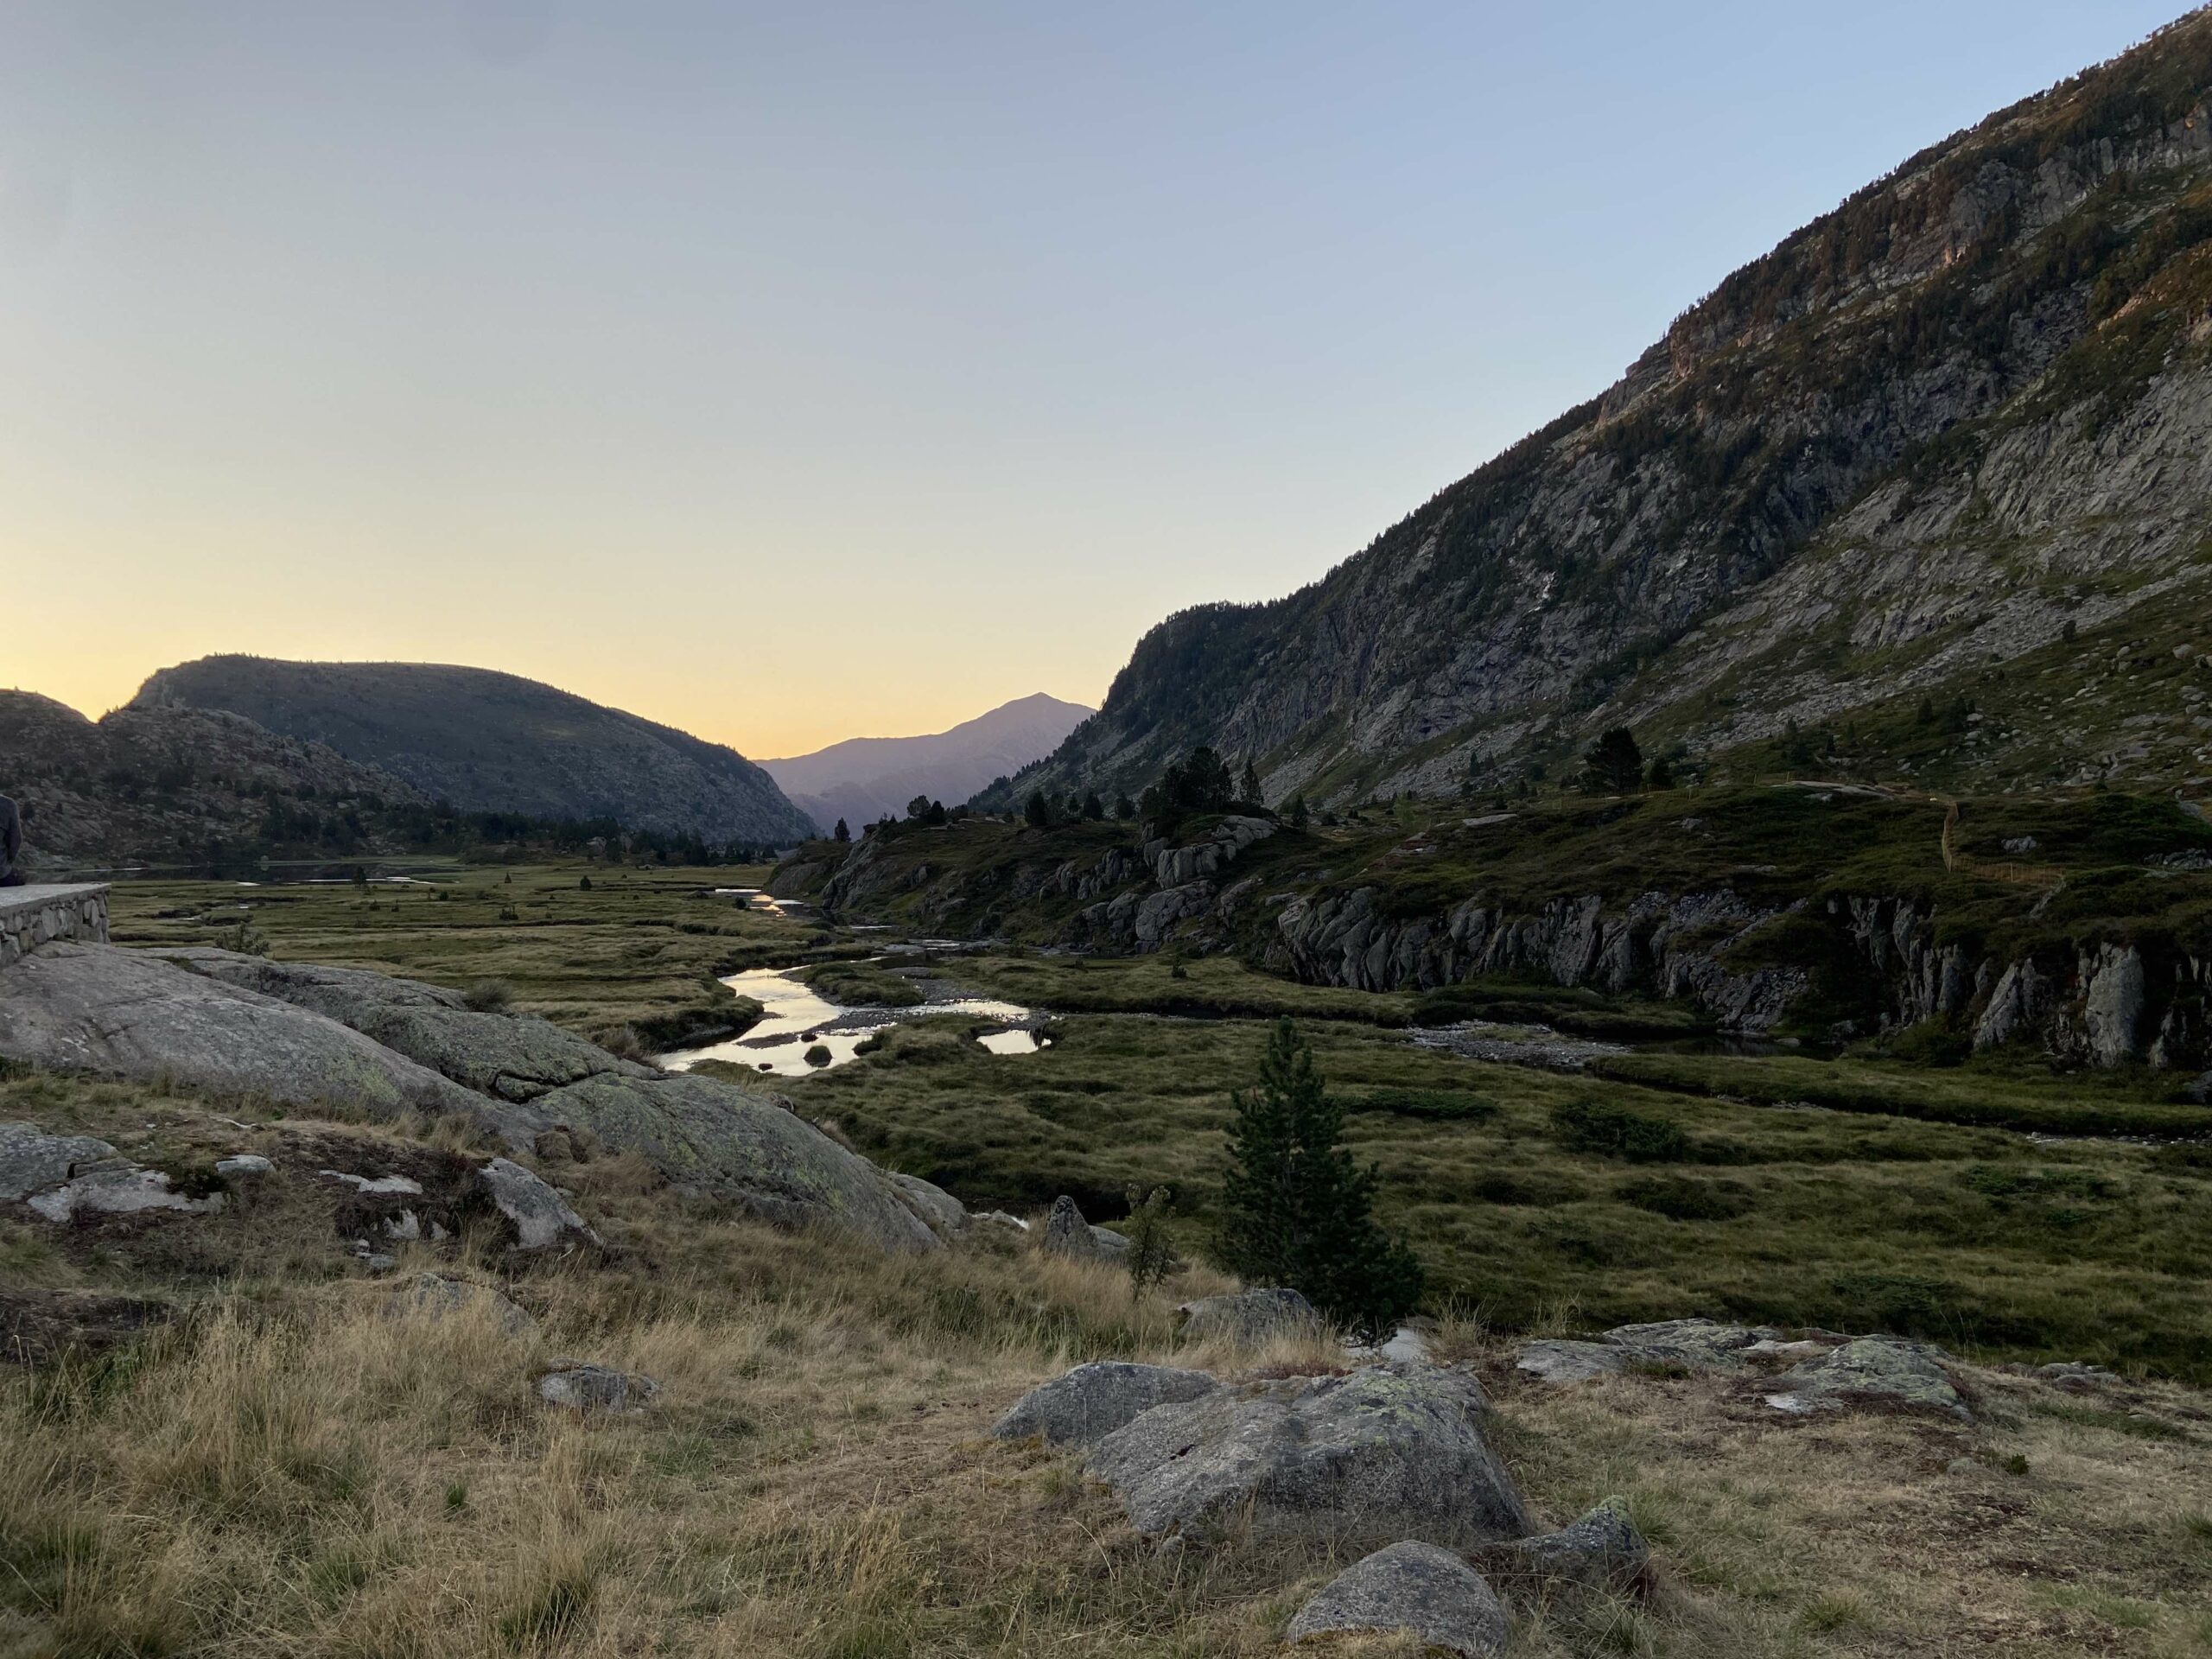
(1091, 1401)
(715, 1140)
(1602, 1550)
(540, 1216)
(200, 1021)
(1814, 495)
(1413, 1588)
(1818, 1372)
(514, 1057)
(60, 1177)
(1248, 1317)
(1353, 1460)
(1066, 1233)
(1871, 1371)
(1663, 945)
(580, 1385)
(937, 1209)
(98, 1008)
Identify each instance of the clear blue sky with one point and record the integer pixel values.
(790, 373)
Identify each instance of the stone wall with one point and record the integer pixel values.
(31, 916)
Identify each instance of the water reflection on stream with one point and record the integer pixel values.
(797, 1020)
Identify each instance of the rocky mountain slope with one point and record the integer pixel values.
(1966, 417)
(169, 783)
(865, 779)
(487, 742)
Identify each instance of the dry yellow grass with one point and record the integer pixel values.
(295, 1473)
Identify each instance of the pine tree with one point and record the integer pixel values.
(1614, 763)
(1248, 786)
(1124, 808)
(842, 832)
(1038, 811)
(1298, 1211)
(1093, 807)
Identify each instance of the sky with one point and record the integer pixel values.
(789, 373)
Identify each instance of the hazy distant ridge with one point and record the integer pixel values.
(862, 778)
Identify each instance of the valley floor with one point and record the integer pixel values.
(291, 1470)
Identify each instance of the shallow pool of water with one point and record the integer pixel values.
(797, 1021)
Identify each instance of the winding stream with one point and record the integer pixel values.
(797, 1020)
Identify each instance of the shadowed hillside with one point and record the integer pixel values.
(487, 742)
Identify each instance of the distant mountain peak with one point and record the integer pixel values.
(862, 778)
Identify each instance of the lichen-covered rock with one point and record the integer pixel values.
(1602, 1550)
(1066, 1233)
(63, 1176)
(1872, 1370)
(939, 1211)
(719, 1141)
(581, 1386)
(1697, 1344)
(512, 1057)
(1414, 1587)
(31, 1161)
(100, 1007)
(1249, 1317)
(1352, 1460)
(541, 1216)
(1091, 1401)
(1561, 1362)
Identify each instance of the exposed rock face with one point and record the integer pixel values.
(1344, 939)
(579, 1385)
(1092, 1401)
(101, 1008)
(1249, 1317)
(97, 1008)
(514, 1057)
(1409, 1587)
(1762, 504)
(1603, 1550)
(1561, 1362)
(541, 1217)
(1066, 1233)
(938, 1210)
(715, 1139)
(1872, 1370)
(1352, 1460)
(2114, 1008)
(62, 1176)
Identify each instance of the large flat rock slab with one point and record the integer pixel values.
(99, 1008)
(511, 1056)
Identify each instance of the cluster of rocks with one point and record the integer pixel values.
(308, 1037)
(1392, 1459)
(1819, 1371)
(66, 1178)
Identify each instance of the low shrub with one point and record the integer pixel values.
(1614, 1131)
